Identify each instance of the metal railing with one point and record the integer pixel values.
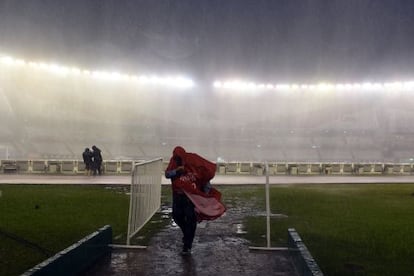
(124, 167)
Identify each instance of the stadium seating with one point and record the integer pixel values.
(67, 114)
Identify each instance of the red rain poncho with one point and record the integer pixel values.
(197, 173)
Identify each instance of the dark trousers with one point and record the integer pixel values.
(97, 167)
(185, 217)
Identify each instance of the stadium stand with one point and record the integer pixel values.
(49, 116)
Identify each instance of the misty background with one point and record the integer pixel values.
(46, 116)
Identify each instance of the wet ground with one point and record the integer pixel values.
(218, 249)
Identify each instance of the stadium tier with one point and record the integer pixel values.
(52, 114)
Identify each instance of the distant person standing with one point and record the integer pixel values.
(97, 160)
(87, 160)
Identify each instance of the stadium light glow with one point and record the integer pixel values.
(178, 82)
(239, 85)
(7, 60)
(181, 82)
(217, 84)
(75, 71)
(283, 86)
(409, 85)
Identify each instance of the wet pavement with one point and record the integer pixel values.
(218, 249)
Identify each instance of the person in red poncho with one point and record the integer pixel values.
(194, 199)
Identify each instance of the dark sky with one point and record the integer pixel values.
(264, 40)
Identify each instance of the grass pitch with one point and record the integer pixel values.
(350, 229)
(37, 221)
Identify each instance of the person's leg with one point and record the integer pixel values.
(185, 217)
(89, 169)
(94, 167)
(178, 213)
(190, 225)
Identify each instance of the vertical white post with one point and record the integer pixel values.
(128, 242)
(267, 205)
(267, 188)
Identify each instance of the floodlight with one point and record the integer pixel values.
(177, 82)
(282, 86)
(349, 86)
(217, 84)
(251, 85)
(75, 70)
(409, 85)
(7, 60)
(57, 69)
(371, 86)
(20, 62)
(116, 76)
(186, 82)
(143, 79)
(324, 86)
(377, 85)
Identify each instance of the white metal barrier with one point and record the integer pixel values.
(145, 198)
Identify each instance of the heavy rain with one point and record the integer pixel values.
(240, 82)
(314, 81)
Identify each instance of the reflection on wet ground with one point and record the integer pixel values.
(218, 249)
(239, 228)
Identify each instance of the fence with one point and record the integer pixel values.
(124, 167)
(145, 195)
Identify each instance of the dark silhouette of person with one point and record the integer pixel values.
(97, 160)
(87, 160)
(183, 209)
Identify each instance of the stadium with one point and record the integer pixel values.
(229, 121)
(253, 99)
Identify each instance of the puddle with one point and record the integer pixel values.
(166, 210)
(239, 228)
(218, 249)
